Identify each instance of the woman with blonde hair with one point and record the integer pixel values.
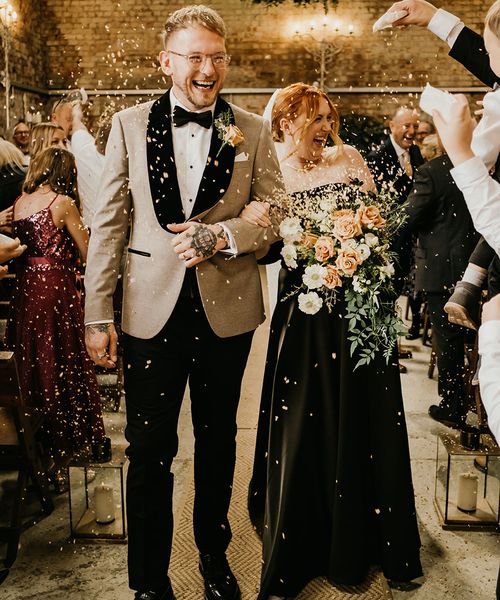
(45, 135)
(331, 491)
(55, 371)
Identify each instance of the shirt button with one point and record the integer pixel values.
(190, 199)
(190, 166)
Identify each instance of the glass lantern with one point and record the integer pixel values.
(97, 500)
(467, 491)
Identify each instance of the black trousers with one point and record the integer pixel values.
(450, 341)
(156, 373)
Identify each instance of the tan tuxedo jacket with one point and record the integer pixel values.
(131, 194)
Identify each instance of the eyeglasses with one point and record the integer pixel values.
(219, 60)
(18, 133)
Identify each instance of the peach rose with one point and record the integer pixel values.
(345, 224)
(348, 261)
(233, 135)
(332, 278)
(369, 216)
(324, 248)
(308, 240)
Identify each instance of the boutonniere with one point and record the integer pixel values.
(228, 132)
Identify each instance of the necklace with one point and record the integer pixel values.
(308, 165)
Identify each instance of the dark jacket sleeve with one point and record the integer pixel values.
(422, 199)
(469, 50)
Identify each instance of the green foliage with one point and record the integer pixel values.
(361, 131)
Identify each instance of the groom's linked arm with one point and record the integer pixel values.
(267, 183)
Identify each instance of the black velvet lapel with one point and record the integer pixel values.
(218, 171)
(162, 171)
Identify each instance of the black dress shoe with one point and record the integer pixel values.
(444, 416)
(166, 594)
(413, 334)
(220, 583)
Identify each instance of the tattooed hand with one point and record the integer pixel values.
(101, 341)
(197, 242)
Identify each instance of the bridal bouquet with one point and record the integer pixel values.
(338, 240)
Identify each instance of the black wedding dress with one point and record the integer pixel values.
(331, 491)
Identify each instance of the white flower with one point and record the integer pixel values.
(364, 251)
(310, 303)
(388, 269)
(350, 244)
(356, 285)
(289, 254)
(290, 229)
(314, 276)
(327, 204)
(371, 239)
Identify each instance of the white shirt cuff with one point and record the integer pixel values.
(232, 248)
(446, 26)
(468, 172)
(103, 322)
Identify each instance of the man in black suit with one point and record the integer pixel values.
(438, 216)
(393, 165)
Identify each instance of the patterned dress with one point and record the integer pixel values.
(47, 332)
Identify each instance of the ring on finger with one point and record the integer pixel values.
(99, 356)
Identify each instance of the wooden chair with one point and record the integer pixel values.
(19, 452)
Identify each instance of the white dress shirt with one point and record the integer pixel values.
(90, 164)
(446, 26)
(489, 381)
(400, 152)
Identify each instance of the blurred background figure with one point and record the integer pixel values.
(62, 115)
(424, 129)
(12, 174)
(430, 147)
(21, 138)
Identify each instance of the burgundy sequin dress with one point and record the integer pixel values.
(47, 332)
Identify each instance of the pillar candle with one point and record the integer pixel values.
(467, 492)
(104, 504)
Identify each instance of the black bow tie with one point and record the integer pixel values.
(181, 117)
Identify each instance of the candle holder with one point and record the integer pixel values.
(465, 497)
(97, 500)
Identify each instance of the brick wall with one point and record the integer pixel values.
(110, 44)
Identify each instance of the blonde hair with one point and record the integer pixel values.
(41, 137)
(430, 147)
(196, 14)
(10, 155)
(296, 99)
(492, 20)
(56, 168)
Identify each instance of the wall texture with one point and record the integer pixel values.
(112, 45)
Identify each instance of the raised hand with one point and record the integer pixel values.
(456, 131)
(419, 12)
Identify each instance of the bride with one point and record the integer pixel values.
(331, 492)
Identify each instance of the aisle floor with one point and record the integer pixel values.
(457, 565)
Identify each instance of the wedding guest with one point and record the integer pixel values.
(468, 48)
(438, 216)
(430, 147)
(20, 139)
(192, 258)
(45, 135)
(55, 372)
(331, 490)
(424, 129)
(62, 115)
(12, 174)
(393, 165)
(89, 156)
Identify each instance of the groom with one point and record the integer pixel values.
(179, 171)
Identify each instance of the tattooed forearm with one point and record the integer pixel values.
(98, 328)
(204, 241)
